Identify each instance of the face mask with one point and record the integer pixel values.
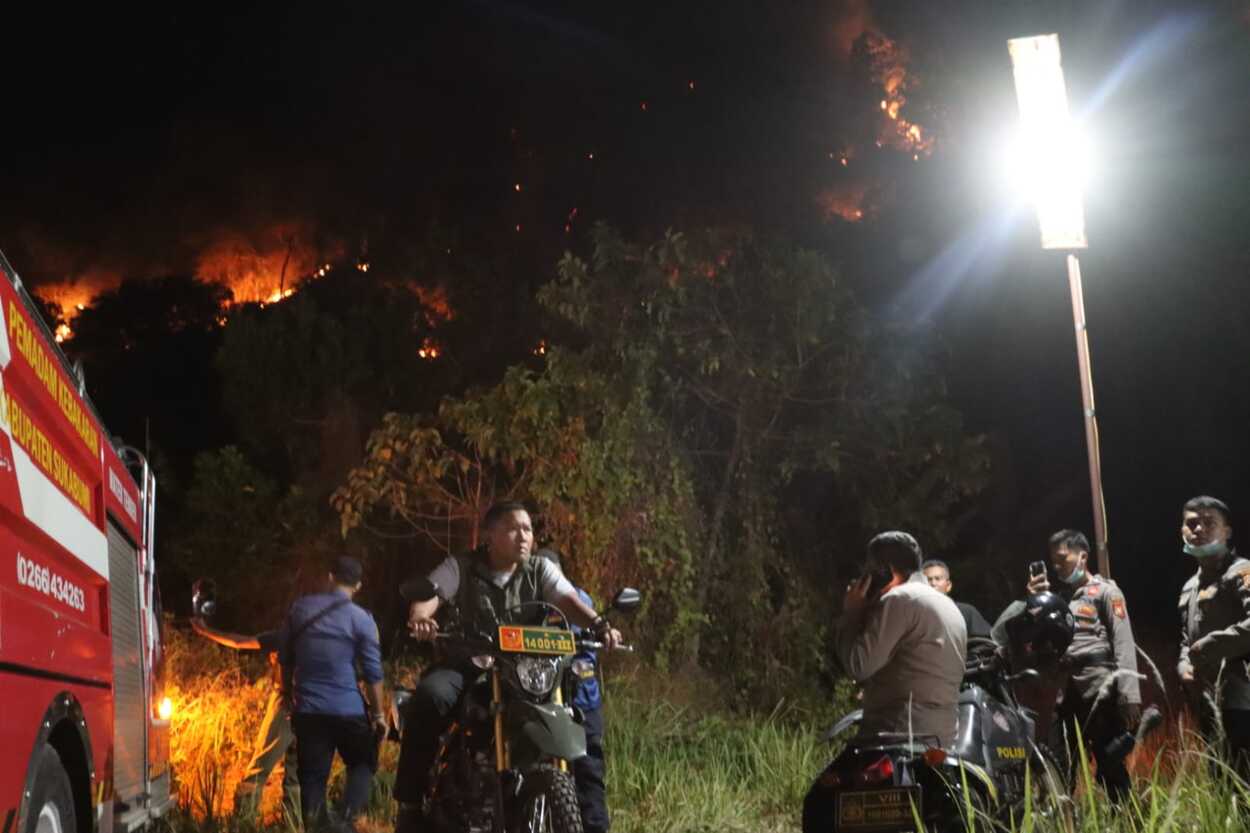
(1214, 549)
(1078, 575)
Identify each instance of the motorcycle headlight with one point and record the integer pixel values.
(537, 675)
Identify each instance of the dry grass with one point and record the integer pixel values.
(219, 700)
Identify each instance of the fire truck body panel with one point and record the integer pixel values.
(79, 628)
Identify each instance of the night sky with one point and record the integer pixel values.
(133, 141)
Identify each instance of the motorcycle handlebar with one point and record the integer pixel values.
(594, 645)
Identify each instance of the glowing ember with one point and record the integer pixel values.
(280, 295)
(846, 203)
(541, 348)
(434, 299)
(429, 349)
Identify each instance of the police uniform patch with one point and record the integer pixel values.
(1117, 607)
(1093, 590)
(1088, 611)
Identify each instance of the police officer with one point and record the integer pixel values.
(1099, 683)
(1215, 628)
(275, 741)
(327, 637)
(588, 771)
(482, 585)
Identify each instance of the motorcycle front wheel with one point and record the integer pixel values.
(547, 803)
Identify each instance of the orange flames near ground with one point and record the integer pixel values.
(265, 267)
(73, 296)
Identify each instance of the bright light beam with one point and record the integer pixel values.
(1053, 161)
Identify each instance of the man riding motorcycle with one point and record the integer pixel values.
(481, 585)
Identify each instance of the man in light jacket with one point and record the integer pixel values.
(905, 642)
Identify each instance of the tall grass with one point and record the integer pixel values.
(679, 761)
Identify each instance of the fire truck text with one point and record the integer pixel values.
(38, 577)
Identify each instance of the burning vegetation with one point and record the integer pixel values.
(887, 61)
(265, 267)
(879, 66)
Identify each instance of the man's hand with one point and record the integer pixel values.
(856, 599)
(608, 635)
(423, 629)
(1196, 650)
(1187, 676)
(612, 639)
(380, 728)
(1037, 584)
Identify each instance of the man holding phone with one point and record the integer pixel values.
(904, 641)
(1098, 672)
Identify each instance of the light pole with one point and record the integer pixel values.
(1053, 165)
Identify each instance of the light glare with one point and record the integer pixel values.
(1050, 161)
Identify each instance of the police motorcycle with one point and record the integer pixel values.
(894, 783)
(503, 762)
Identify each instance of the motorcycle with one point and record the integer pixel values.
(503, 762)
(893, 783)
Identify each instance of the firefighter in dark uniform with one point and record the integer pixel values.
(1215, 629)
(1099, 680)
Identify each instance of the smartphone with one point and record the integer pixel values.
(1037, 568)
(881, 576)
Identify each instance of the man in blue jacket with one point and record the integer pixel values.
(326, 638)
(588, 772)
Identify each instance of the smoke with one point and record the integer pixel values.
(853, 18)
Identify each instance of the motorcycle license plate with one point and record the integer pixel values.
(536, 640)
(879, 809)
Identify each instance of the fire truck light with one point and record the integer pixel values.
(166, 709)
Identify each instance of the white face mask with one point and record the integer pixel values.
(1215, 549)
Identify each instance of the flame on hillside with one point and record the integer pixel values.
(74, 295)
(857, 36)
(438, 308)
(263, 267)
(888, 61)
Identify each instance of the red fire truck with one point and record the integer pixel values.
(84, 731)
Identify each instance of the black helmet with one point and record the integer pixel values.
(1040, 633)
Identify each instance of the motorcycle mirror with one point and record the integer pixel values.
(418, 589)
(203, 598)
(627, 600)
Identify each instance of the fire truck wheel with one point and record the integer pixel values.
(51, 806)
